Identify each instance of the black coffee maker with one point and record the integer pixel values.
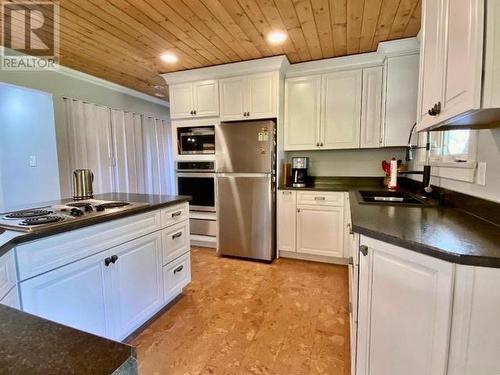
(299, 171)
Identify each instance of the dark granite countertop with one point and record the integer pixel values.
(33, 345)
(9, 239)
(443, 232)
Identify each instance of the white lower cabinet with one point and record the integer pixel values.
(320, 230)
(404, 318)
(113, 292)
(77, 295)
(11, 299)
(311, 224)
(137, 289)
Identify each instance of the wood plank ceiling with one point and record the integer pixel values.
(122, 40)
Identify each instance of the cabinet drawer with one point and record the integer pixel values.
(175, 214)
(175, 241)
(7, 273)
(47, 254)
(176, 275)
(321, 198)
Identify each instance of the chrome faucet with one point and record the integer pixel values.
(426, 173)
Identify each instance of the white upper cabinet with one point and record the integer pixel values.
(192, 100)
(302, 112)
(400, 104)
(404, 311)
(249, 97)
(371, 115)
(340, 120)
(456, 34)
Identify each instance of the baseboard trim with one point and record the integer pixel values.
(313, 258)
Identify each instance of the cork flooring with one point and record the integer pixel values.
(242, 317)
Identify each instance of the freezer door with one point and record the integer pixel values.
(245, 147)
(245, 213)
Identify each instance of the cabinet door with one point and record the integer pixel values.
(302, 113)
(464, 57)
(404, 311)
(341, 114)
(76, 295)
(206, 98)
(320, 230)
(400, 100)
(371, 113)
(262, 93)
(181, 100)
(287, 220)
(431, 60)
(137, 283)
(232, 98)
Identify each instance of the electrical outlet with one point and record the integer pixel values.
(481, 173)
(33, 161)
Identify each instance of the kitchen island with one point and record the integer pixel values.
(83, 285)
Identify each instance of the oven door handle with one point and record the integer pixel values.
(196, 174)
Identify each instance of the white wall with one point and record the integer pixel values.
(83, 87)
(361, 163)
(488, 151)
(27, 129)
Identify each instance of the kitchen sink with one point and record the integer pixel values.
(398, 198)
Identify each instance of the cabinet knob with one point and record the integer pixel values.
(194, 112)
(321, 144)
(107, 261)
(191, 112)
(298, 210)
(317, 144)
(114, 258)
(363, 249)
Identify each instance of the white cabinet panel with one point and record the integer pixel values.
(206, 98)
(464, 62)
(11, 299)
(302, 113)
(287, 220)
(175, 241)
(371, 115)
(320, 198)
(400, 100)
(404, 311)
(76, 295)
(7, 273)
(341, 109)
(262, 96)
(232, 98)
(431, 58)
(176, 275)
(175, 214)
(320, 230)
(181, 100)
(137, 283)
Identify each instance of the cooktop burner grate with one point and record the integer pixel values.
(28, 214)
(41, 220)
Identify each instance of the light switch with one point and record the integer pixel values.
(33, 161)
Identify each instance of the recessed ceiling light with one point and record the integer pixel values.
(276, 37)
(169, 57)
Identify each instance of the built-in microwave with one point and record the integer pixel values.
(197, 179)
(199, 140)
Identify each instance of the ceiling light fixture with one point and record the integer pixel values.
(169, 57)
(276, 37)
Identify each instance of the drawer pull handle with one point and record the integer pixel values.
(319, 198)
(178, 269)
(178, 213)
(177, 235)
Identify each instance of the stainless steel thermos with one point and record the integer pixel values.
(82, 184)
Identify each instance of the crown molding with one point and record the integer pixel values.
(267, 64)
(399, 47)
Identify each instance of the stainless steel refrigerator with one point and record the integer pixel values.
(245, 185)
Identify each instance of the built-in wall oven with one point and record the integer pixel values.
(197, 179)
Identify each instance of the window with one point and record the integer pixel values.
(453, 146)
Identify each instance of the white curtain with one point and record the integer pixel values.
(128, 152)
(90, 142)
